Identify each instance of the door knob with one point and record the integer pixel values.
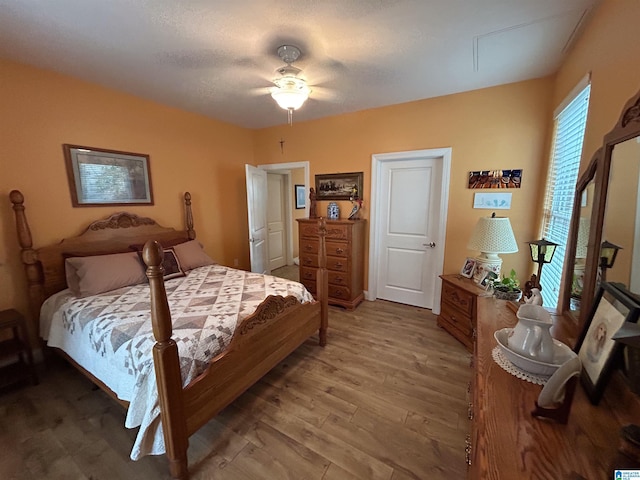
(430, 244)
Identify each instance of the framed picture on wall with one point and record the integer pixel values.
(338, 186)
(100, 177)
(301, 196)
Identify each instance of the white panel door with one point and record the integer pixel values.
(276, 221)
(409, 220)
(257, 212)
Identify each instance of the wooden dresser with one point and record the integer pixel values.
(506, 442)
(345, 259)
(458, 307)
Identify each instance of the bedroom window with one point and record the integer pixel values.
(570, 120)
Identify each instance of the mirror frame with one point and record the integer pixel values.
(627, 127)
(585, 179)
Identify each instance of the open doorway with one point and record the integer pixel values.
(282, 212)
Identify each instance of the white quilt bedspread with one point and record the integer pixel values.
(110, 335)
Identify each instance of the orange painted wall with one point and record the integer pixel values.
(42, 110)
(495, 128)
(609, 48)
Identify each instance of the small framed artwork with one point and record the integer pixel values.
(493, 201)
(339, 186)
(596, 348)
(99, 177)
(495, 179)
(468, 267)
(300, 196)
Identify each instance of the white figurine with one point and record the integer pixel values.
(535, 298)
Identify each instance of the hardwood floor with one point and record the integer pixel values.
(386, 399)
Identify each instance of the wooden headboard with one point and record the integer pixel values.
(114, 234)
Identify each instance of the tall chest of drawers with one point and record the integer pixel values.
(345, 259)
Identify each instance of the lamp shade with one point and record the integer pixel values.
(608, 253)
(493, 235)
(290, 92)
(542, 250)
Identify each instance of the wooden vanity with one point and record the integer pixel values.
(507, 443)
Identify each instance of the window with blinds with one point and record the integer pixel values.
(566, 150)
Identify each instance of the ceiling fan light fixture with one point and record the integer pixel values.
(290, 91)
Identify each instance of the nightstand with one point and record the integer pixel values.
(15, 347)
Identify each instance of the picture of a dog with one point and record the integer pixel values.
(596, 342)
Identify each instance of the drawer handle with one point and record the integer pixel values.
(338, 293)
(307, 261)
(308, 247)
(467, 450)
(339, 279)
(338, 264)
(339, 250)
(308, 275)
(470, 411)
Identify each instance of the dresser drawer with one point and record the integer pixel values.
(308, 260)
(458, 298)
(338, 249)
(334, 232)
(309, 285)
(454, 317)
(339, 278)
(342, 293)
(337, 264)
(309, 246)
(308, 274)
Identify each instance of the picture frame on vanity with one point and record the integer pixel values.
(301, 199)
(339, 186)
(468, 267)
(101, 177)
(596, 348)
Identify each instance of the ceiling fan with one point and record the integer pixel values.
(290, 91)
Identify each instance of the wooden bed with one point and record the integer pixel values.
(277, 327)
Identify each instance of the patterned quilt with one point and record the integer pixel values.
(111, 336)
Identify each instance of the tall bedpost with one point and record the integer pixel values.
(167, 366)
(322, 282)
(189, 216)
(32, 267)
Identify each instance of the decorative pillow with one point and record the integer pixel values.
(171, 264)
(102, 273)
(191, 255)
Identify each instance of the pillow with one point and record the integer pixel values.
(102, 273)
(191, 255)
(171, 264)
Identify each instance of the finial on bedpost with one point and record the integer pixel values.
(167, 365)
(29, 257)
(189, 216)
(322, 281)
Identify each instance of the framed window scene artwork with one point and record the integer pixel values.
(100, 177)
(301, 199)
(596, 348)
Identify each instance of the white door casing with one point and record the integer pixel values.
(257, 214)
(276, 220)
(408, 226)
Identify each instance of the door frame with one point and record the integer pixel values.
(377, 160)
(285, 169)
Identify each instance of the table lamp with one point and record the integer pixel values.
(491, 236)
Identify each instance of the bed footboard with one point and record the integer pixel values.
(260, 342)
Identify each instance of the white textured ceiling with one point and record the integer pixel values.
(217, 57)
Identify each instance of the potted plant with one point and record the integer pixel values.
(508, 288)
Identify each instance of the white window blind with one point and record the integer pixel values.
(569, 126)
